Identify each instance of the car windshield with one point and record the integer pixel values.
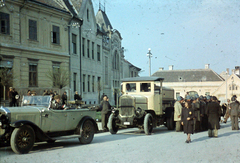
(36, 101)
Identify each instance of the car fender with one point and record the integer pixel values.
(38, 132)
(83, 120)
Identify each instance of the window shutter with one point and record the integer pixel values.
(52, 36)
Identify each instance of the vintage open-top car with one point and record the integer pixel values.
(36, 121)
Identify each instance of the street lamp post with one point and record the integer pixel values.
(149, 54)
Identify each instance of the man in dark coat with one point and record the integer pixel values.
(105, 113)
(233, 111)
(203, 116)
(11, 97)
(213, 112)
(77, 96)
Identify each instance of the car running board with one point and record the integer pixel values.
(66, 137)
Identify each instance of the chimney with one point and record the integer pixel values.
(170, 67)
(161, 68)
(227, 71)
(207, 66)
(237, 70)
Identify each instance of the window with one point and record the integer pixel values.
(83, 46)
(32, 75)
(87, 14)
(145, 87)
(131, 87)
(115, 62)
(75, 82)
(93, 85)
(98, 53)
(106, 70)
(92, 50)
(99, 84)
(74, 44)
(177, 94)
(4, 23)
(88, 83)
(56, 69)
(32, 30)
(55, 35)
(88, 50)
(84, 78)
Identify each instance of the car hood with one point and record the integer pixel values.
(29, 113)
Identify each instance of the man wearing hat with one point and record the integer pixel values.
(56, 104)
(177, 113)
(196, 107)
(233, 111)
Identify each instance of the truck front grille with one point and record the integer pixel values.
(126, 111)
(127, 102)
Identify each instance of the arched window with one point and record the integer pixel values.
(115, 61)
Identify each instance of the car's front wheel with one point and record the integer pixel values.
(87, 132)
(113, 128)
(22, 139)
(148, 124)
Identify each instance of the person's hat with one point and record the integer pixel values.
(179, 98)
(233, 98)
(188, 97)
(196, 96)
(214, 98)
(201, 97)
(208, 97)
(57, 97)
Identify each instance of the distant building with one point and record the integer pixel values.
(200, 81)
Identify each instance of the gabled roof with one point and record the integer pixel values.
(101, 19)
(131, 65)
(191, 75)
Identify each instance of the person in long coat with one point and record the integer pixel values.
(177, 113)
(187, 120)
(213, 112)
(233, 111)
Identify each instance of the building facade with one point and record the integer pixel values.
(33, 43)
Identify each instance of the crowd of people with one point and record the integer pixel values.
(193, 114)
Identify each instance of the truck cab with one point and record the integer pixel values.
(144, 99)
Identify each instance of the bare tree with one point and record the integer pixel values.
(6, 75)
(59, 77)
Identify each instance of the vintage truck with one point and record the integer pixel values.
(145, 104)
(36, 121)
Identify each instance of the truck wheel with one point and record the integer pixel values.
(87, 132)
(113, 128)
(22, 139)
(170, 122)
(148, 124)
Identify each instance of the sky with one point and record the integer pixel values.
(184, 33)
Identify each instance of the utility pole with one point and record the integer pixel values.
(149, 54)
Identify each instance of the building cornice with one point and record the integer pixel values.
(16, 47)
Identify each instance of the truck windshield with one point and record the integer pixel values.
(36, 101)
(131, 87)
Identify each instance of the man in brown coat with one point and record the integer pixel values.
(233, 111)
(213, 112)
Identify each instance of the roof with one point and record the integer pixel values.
(50, 3)
(191, 75)
(146, 78)
(131, 65)
(102, 19)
